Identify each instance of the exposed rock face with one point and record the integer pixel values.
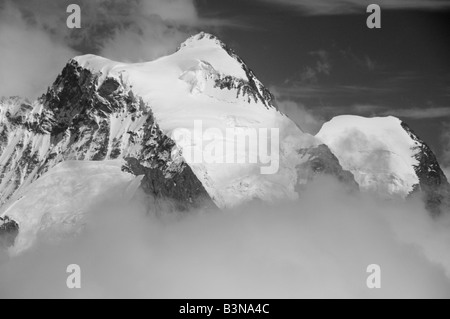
(182, 191)
(82, 119)
(432, 181)
(321, 161)
(9, 230)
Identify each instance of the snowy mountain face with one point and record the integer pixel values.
(57, 205)
(147, 117)
(387, 157)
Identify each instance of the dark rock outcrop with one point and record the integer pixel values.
(182, 190)
(321, 161)
(9, 230)
(433, 184)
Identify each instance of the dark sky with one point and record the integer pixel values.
(333, 64)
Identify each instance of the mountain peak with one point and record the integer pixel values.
(377, 150)
(202, 39)
(385, 155)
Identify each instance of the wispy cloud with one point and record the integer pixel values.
(380, 110)
(330, 7)
(322, 67)
(445, 141)
(358, 83)
(420, 113)
(329, 91)
(126, 30)
(329, 74)
(363, 62)
(30, 56)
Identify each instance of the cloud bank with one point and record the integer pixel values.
(331, 7)
(35, 42)
(319, 246)
(30, 57)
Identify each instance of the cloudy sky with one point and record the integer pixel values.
(317, 56)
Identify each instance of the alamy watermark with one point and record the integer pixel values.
(74, 19)
(74, 279)
(237, 145)
(374, 19)
(374, 279)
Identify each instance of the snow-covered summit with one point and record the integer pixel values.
(203, 42)
(201, 39)
(205, 81)
(232, 72)
(385, 156)
(378, 151)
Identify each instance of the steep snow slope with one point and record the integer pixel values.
(386, 156)
(378, 151)
(55, 206)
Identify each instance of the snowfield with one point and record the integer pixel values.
(54, 206)
(378, 151)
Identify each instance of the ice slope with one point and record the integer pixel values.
(205, 81)
(378, 151)
(55, 205)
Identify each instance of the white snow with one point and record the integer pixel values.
(376, 150)
(180, 89)
(55, 204)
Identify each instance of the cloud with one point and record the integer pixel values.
(36, 43)
(304, 118)
(143, 43)
(327, 91)
(322, 67)
(298, 93)
(363, 62)
(30, 57)
(318, 246)
(327, 73)
(314, 72)
(329, 7)
(297, 112)
(419, 113)
(137, 31)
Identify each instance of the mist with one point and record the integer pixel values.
(152, 28)
(318, 246)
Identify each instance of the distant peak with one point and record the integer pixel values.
(201, 39)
